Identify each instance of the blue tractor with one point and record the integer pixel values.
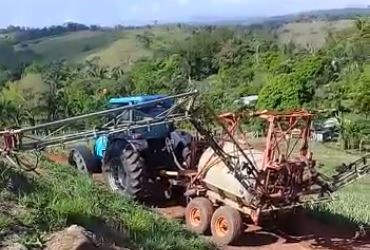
(133, 159)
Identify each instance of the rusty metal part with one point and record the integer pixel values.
(346, 174)
(284, 178)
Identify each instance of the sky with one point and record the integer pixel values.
(37, 13)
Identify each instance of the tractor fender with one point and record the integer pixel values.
(138, 145)
(117, 144)
(180, 139)
(181, 143)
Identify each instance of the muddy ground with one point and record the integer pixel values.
(299, 232)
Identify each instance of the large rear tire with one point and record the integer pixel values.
(126, 174)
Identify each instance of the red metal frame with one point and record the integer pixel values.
(284, 166)
(286, 131)
(282, 174)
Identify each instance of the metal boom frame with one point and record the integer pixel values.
(16, 141)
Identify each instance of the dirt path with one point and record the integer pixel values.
(304, 234)
(299, 233)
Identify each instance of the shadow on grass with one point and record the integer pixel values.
(15, 182)
(323, 229)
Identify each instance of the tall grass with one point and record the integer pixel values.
(350, 206)
(62, 197)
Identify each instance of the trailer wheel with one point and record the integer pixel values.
(83, 160)
(198, 215)
(226, 225)
(125, 175)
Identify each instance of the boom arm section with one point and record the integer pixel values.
(347, 174)
(16, 141)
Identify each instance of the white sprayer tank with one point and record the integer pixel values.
(217, 177)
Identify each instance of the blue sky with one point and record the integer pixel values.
(109, 12)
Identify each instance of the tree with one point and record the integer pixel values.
(166, 75)
(281, 92)
(360, 92)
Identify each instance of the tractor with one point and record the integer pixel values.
(225, 181)
(132, 159)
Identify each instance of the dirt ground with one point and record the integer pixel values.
(297, 233)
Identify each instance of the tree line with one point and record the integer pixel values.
(224, 64)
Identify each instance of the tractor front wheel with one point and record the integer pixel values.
(125, 174)
(83, 160)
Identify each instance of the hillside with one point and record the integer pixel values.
(72, 46)
(280, 62)
(122, 46)
(114, 48)
(34, 205)
(313, 33)
(132, 47)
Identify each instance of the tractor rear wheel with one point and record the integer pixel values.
(125, 174)
(198, 215)
(226, 225)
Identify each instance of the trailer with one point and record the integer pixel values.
(237, 184)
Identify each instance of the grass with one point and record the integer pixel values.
(127, 50)
(313, 33)
(124, 51)
(32, 82)
(60, 197)
(73, 46)
(114, 48)
(351, 204)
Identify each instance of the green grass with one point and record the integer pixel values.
(330, 157)
(72, 46)
(351, 204)
(114, 48)
(313, 33)
(127, 50)
(60, 197)
(32, 82)
(122, 52)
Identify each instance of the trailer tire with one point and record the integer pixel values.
(226, 225)
(198, 215)
(126, 174)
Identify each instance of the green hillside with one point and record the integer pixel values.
(114, 48)
(311, 33)
(127, 50)
(72, 46)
